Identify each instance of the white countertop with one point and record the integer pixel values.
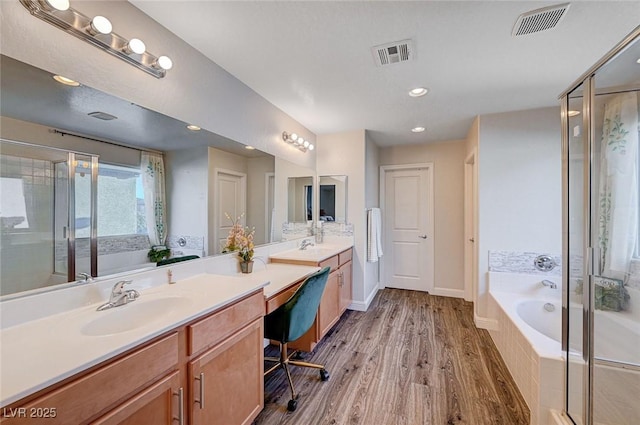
(314, 253)
(39, 353)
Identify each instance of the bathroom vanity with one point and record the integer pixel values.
(337, 293)
(184, 353)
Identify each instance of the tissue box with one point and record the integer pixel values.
(610, 294)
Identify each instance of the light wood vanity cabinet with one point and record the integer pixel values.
(336, 297)
(160, 383)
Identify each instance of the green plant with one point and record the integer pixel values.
(158, 253)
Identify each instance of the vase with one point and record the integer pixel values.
(246, 266)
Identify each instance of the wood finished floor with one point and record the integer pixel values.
(411, 359)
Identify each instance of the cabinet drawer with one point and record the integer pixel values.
(345, 256)
(84, 398)
(281, 298)
(332, 262)
(213, 329)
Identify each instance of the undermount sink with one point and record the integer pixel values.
(131, 316)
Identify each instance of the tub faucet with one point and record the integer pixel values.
(119, 296)
(550, 284)
(305, 243)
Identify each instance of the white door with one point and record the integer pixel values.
(230, 198)
(408, 228)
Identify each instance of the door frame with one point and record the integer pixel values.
(384, 169)
(471, 227)
(216, 203)
(269, 187)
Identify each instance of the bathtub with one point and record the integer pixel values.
(528, 338)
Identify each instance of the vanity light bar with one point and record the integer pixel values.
(297, 141)
(99, 34)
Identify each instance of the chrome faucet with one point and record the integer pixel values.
(84, 278)
(550, 284)
(119, 296)
(305, 243)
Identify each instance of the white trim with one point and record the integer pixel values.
(448, 292)
(485, 322)
(471, 228)
(431, 201)
(364, 306)
(559, 418)
(268, 224)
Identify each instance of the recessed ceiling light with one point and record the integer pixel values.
(418, 91)
(193, 127)
(638, 61)
(573, 113)
(66, 81)
(418, 129)
(249, 148)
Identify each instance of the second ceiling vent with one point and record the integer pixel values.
(540, 19)
(390, 53)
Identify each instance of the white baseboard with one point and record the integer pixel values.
(485, 323)
(447, 292)
(364, 306)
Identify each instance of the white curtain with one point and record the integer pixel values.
(618, 191)
(152, 167)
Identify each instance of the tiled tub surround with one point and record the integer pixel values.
(528, 339)
(520, 262)
(36, 312)
(534, 360)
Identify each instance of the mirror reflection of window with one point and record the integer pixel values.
(327, 202)
(13, 207)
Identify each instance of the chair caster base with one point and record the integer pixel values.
(324, 375)
(293, 404)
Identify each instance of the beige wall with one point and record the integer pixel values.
(344, 153)
(448, 159)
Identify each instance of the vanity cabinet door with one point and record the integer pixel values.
(345, 286)
(329, 312)
(160, 404)
(227, 382)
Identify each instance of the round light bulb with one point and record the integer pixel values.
(311, 147)
(56, 4)
(418, 129)
(300, 141)
(135, 45)
(164, 62)
(306, 144)
(294, 136)
(100, 25)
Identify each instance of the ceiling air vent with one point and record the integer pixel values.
(540, 19)
(102, 116)
(396, 52)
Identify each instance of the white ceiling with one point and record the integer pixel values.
(313, 59)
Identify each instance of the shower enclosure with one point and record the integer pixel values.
(601, 240)
(47, 202)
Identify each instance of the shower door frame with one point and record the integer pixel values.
(71, 222)
(590, 249)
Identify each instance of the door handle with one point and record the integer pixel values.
(471, 240)
(201, 379)
(422, 236)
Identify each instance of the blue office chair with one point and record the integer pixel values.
(292, 320)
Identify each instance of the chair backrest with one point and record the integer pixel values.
(298, 313)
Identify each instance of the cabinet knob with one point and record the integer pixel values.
(422, 236)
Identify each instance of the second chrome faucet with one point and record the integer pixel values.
(119, 296)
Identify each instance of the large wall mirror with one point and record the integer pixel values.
(332, 194)
(208, 177)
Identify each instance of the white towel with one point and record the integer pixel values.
(374, 235)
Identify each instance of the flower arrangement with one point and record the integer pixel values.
(240, 239)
